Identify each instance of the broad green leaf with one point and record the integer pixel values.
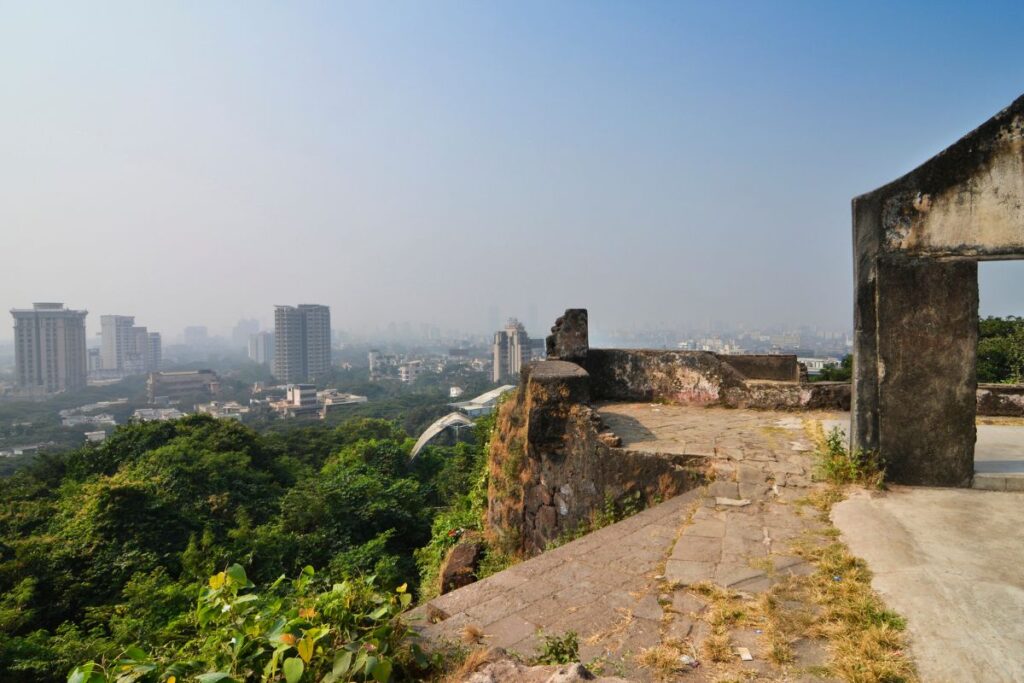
(371, 664)
(215, 677)
(293, 668)
(382, 671)
(342, 663)
(379, 612)
(237, 574)
(81, 674)
(136, 654)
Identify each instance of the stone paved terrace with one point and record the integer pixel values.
(622, 588)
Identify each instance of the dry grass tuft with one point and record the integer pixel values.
(473, 661)
(664, 660)
(718, 648)
(472, 634)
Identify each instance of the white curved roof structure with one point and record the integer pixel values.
(441, 424)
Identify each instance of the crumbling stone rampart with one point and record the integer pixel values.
(552, 465)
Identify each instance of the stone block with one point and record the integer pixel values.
(698, 549)
(687, 572)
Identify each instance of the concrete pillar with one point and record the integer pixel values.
(916, 351)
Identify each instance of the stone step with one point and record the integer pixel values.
(998, 481)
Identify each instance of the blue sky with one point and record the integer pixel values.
(659, 163)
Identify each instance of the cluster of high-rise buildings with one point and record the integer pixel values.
(50, 353)
(126, 348)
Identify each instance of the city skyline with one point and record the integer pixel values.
(657, 164)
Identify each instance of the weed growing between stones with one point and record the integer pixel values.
(837, 465)
(613, 511)
(555, 649)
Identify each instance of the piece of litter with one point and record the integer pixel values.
(687, 660)
(837, 578)
(744, 654)
(758, 631)
(732, 502)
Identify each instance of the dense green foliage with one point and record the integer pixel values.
(288, 632)
(1001, 349)
(104, 548)
(837, 373)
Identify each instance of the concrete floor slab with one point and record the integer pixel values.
(952, 565)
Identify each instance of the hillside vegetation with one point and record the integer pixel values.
(113, 553)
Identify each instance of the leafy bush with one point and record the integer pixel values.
(289, 632)
(836, 464)
(837, 373)
(556, 649)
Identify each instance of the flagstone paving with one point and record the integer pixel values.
(623, 588)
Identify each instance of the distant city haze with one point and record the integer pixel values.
(456, 163)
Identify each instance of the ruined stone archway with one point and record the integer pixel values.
(916, 244)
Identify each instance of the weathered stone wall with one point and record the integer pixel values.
(685, 377)
(1002, 400)
(552, 466)
(773, 367)
(765, 395)
(570, 337)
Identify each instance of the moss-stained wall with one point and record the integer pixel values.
(552, 466)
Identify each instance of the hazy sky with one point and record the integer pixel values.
(197, 162)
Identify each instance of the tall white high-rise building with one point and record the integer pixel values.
(156, 352)
(302, 342)
(512, 350)
(118, 340)
(261, 348)
(127, 348)
(49, 348)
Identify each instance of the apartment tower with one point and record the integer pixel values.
(49, 348)
(302, 342)
(511, 351)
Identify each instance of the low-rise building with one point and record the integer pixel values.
(77, 420)
(330, 400)
(156, 414)
(299, 401)
(231, 410)
(187, 384)
(408, 372)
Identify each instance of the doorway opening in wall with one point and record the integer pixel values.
(999, 449)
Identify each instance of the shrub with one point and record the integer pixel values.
(556, 649)
(288, 632)
(836, 464)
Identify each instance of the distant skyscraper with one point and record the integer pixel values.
(302, 342)
(511, 351)
(243, 330)
(261, 348)
(49, 348)
(156, 352)
(127, 348)
(118, 340)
